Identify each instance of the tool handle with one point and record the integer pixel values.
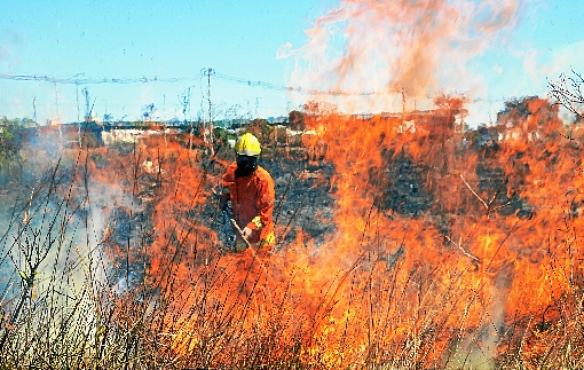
(240, 232)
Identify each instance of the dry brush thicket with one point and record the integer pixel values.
(435, 249)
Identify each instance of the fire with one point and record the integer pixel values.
(445, 242)
(414, 280)
(424, 276)
(447, 247)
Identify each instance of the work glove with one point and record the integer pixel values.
(246, 232)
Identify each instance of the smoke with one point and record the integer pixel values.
(57, 208)
(415, 48)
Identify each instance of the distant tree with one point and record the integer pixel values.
(260, 128)
(296, 120)
(516, 108)
(108, 118)
(452, 103)
(148, 111)
(233, 115)
(320, 108)
(567, 91)
(11, 134)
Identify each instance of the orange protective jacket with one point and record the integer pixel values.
(252, 198)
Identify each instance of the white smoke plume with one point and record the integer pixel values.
(396, 49)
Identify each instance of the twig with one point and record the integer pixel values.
(485, 204)
(464, 251)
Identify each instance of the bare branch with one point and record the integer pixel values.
(567, 91)
(485, 204)
(458, 245)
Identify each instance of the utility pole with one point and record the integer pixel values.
(57, 113)
(163, 107)
(56, 102)
(78, 123)
(186, 104)
(87, 111)
(34, 110)
(163, 115)
(403, 127)
(208, 125)
(88, 105)
(77, 100)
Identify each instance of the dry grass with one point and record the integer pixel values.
(64, 306)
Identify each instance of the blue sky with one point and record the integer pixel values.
(126, 39)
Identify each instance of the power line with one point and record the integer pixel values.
(92, 81)
(221, 76)
(299, 89)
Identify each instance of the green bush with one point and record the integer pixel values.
(11, 137)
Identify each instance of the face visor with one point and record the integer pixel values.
(245, 165)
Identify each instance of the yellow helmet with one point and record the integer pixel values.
(249, 145)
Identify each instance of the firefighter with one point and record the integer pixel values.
(250, 188)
